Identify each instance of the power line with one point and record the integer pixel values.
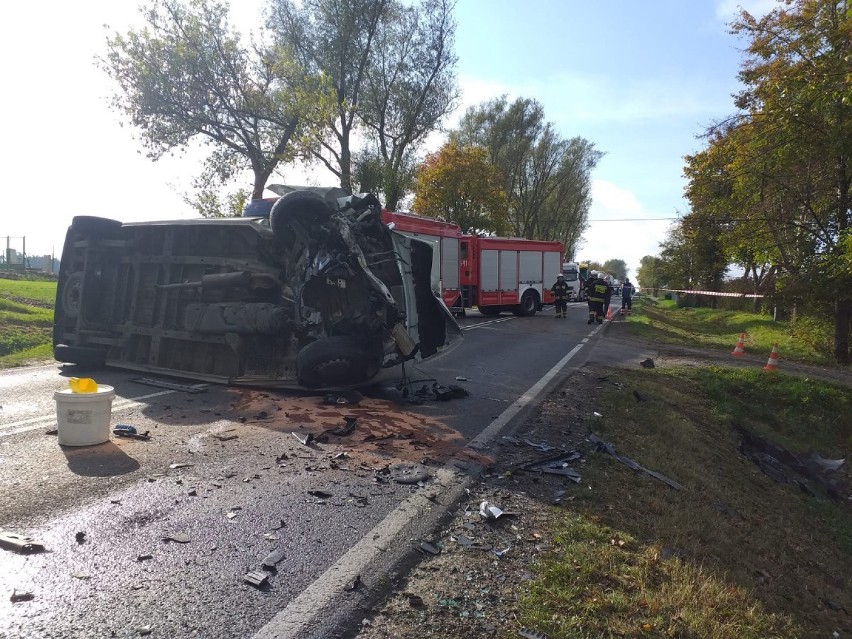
(636, 219)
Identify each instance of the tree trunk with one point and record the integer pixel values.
(842, 312)
(259, 185)
(345, 166)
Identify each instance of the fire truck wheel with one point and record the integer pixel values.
(528, 305)
(489, 311)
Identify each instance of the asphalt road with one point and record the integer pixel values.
(223, 473)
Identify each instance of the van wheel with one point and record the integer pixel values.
(299, 214)
(72, 295)
(336, 361)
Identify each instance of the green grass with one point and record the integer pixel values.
(662, 321)
(752, 558)
(26, 321)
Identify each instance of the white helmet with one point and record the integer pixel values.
(561, 275)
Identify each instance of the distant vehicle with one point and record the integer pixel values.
(495, 274)
(571, 271)
(319, 293)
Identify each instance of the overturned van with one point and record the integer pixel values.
(318, 294)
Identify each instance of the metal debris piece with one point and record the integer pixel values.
(353, 584)
(51, 431)
(20, 543)
(647, 363)
(180, 465)
(409, 473)
(341, 455)
(306, 439)
(21, 596)
(490, 511)
(144, 557)
(280, 525)
(459, 378)
(446, 393)
(144, 631)
(321, 494)
(339, 398)
(558, 495)
(532, 634)
(256, 578)
(80, 575)
(500, 553)
(225, 438)
(180, 538)
(231, 515)
(512, 440)
(427, 548)
(608, 448)
(415, 601)
(542, 446)
(597, 414)
(461, 540)
(80, 537)
(272, 559)
(130, 432)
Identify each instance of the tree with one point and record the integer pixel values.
(187, 76)
(459, 185)
(411, 87)
(648, 274)
(617, 268)
(546, 177)
(797, 105)
(334, 38)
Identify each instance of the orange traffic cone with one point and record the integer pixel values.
(739, 349)
(772, 364)
(609, 313)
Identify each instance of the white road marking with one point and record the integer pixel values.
(37, 422)
(447, 488)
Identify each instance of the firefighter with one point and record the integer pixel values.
(626, 296)
(561, 293)
(597, 294)
(607, 296)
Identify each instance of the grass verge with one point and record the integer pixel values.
(662, 321)
(26, 321)
(733, 555)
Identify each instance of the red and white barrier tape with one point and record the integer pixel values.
(716, 293)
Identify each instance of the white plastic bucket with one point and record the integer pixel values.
(83, 418)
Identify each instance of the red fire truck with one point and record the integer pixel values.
(492, 273)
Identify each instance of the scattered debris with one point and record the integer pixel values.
(180, 538)
(558, 465)
(597, 414)
(542, 446)
(351, 397)
(306, 439)
(231, 515)
(20, 543)
(427, 548)
(280, 525)
(180, 465)
(81, 576)
(532, 634)
(125, 430)
(225, 438)
(260, 415)
(144, 557)
(256, 578)
(446, 393)
(500, 553)
(459, 378)
(321, 494)
(409, 473)
(272, 559)
(608, 448)
(353, 584)
(647, 363)
(80, 537)
(159, 383)
(779, 463)
(21, 596)
(492, 512)
(52, 431)
(415, 601)
(144, 631)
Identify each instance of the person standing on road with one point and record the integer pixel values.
(627, 295)
(561, 293)
(597, 291)
(607, 296)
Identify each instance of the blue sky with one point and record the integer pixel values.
(639, 79)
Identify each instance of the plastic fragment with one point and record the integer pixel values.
(20, 543)
(256, 578)
(272, 559)
(21, 596)
(180, 465)
(321, 494)
(428, 548)
(180, 538)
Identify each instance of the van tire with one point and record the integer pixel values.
(298, 213)
(336, 361)
(71, 298)
(88, 357)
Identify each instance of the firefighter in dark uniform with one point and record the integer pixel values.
(597, 295)
(626, 296)
(561, 293)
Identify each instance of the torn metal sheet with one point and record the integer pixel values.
(427, 548)
(130, 432)
(20, 543)
(608, 448)
(161, 383)
(559, 465)
(21, 596)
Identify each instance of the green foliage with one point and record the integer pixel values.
(648, 274)
(617, 268)
(26, 320)
(459, 185)
(186, 75)
(547, 178)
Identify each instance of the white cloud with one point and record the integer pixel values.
(726, 10)
(626, 240)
